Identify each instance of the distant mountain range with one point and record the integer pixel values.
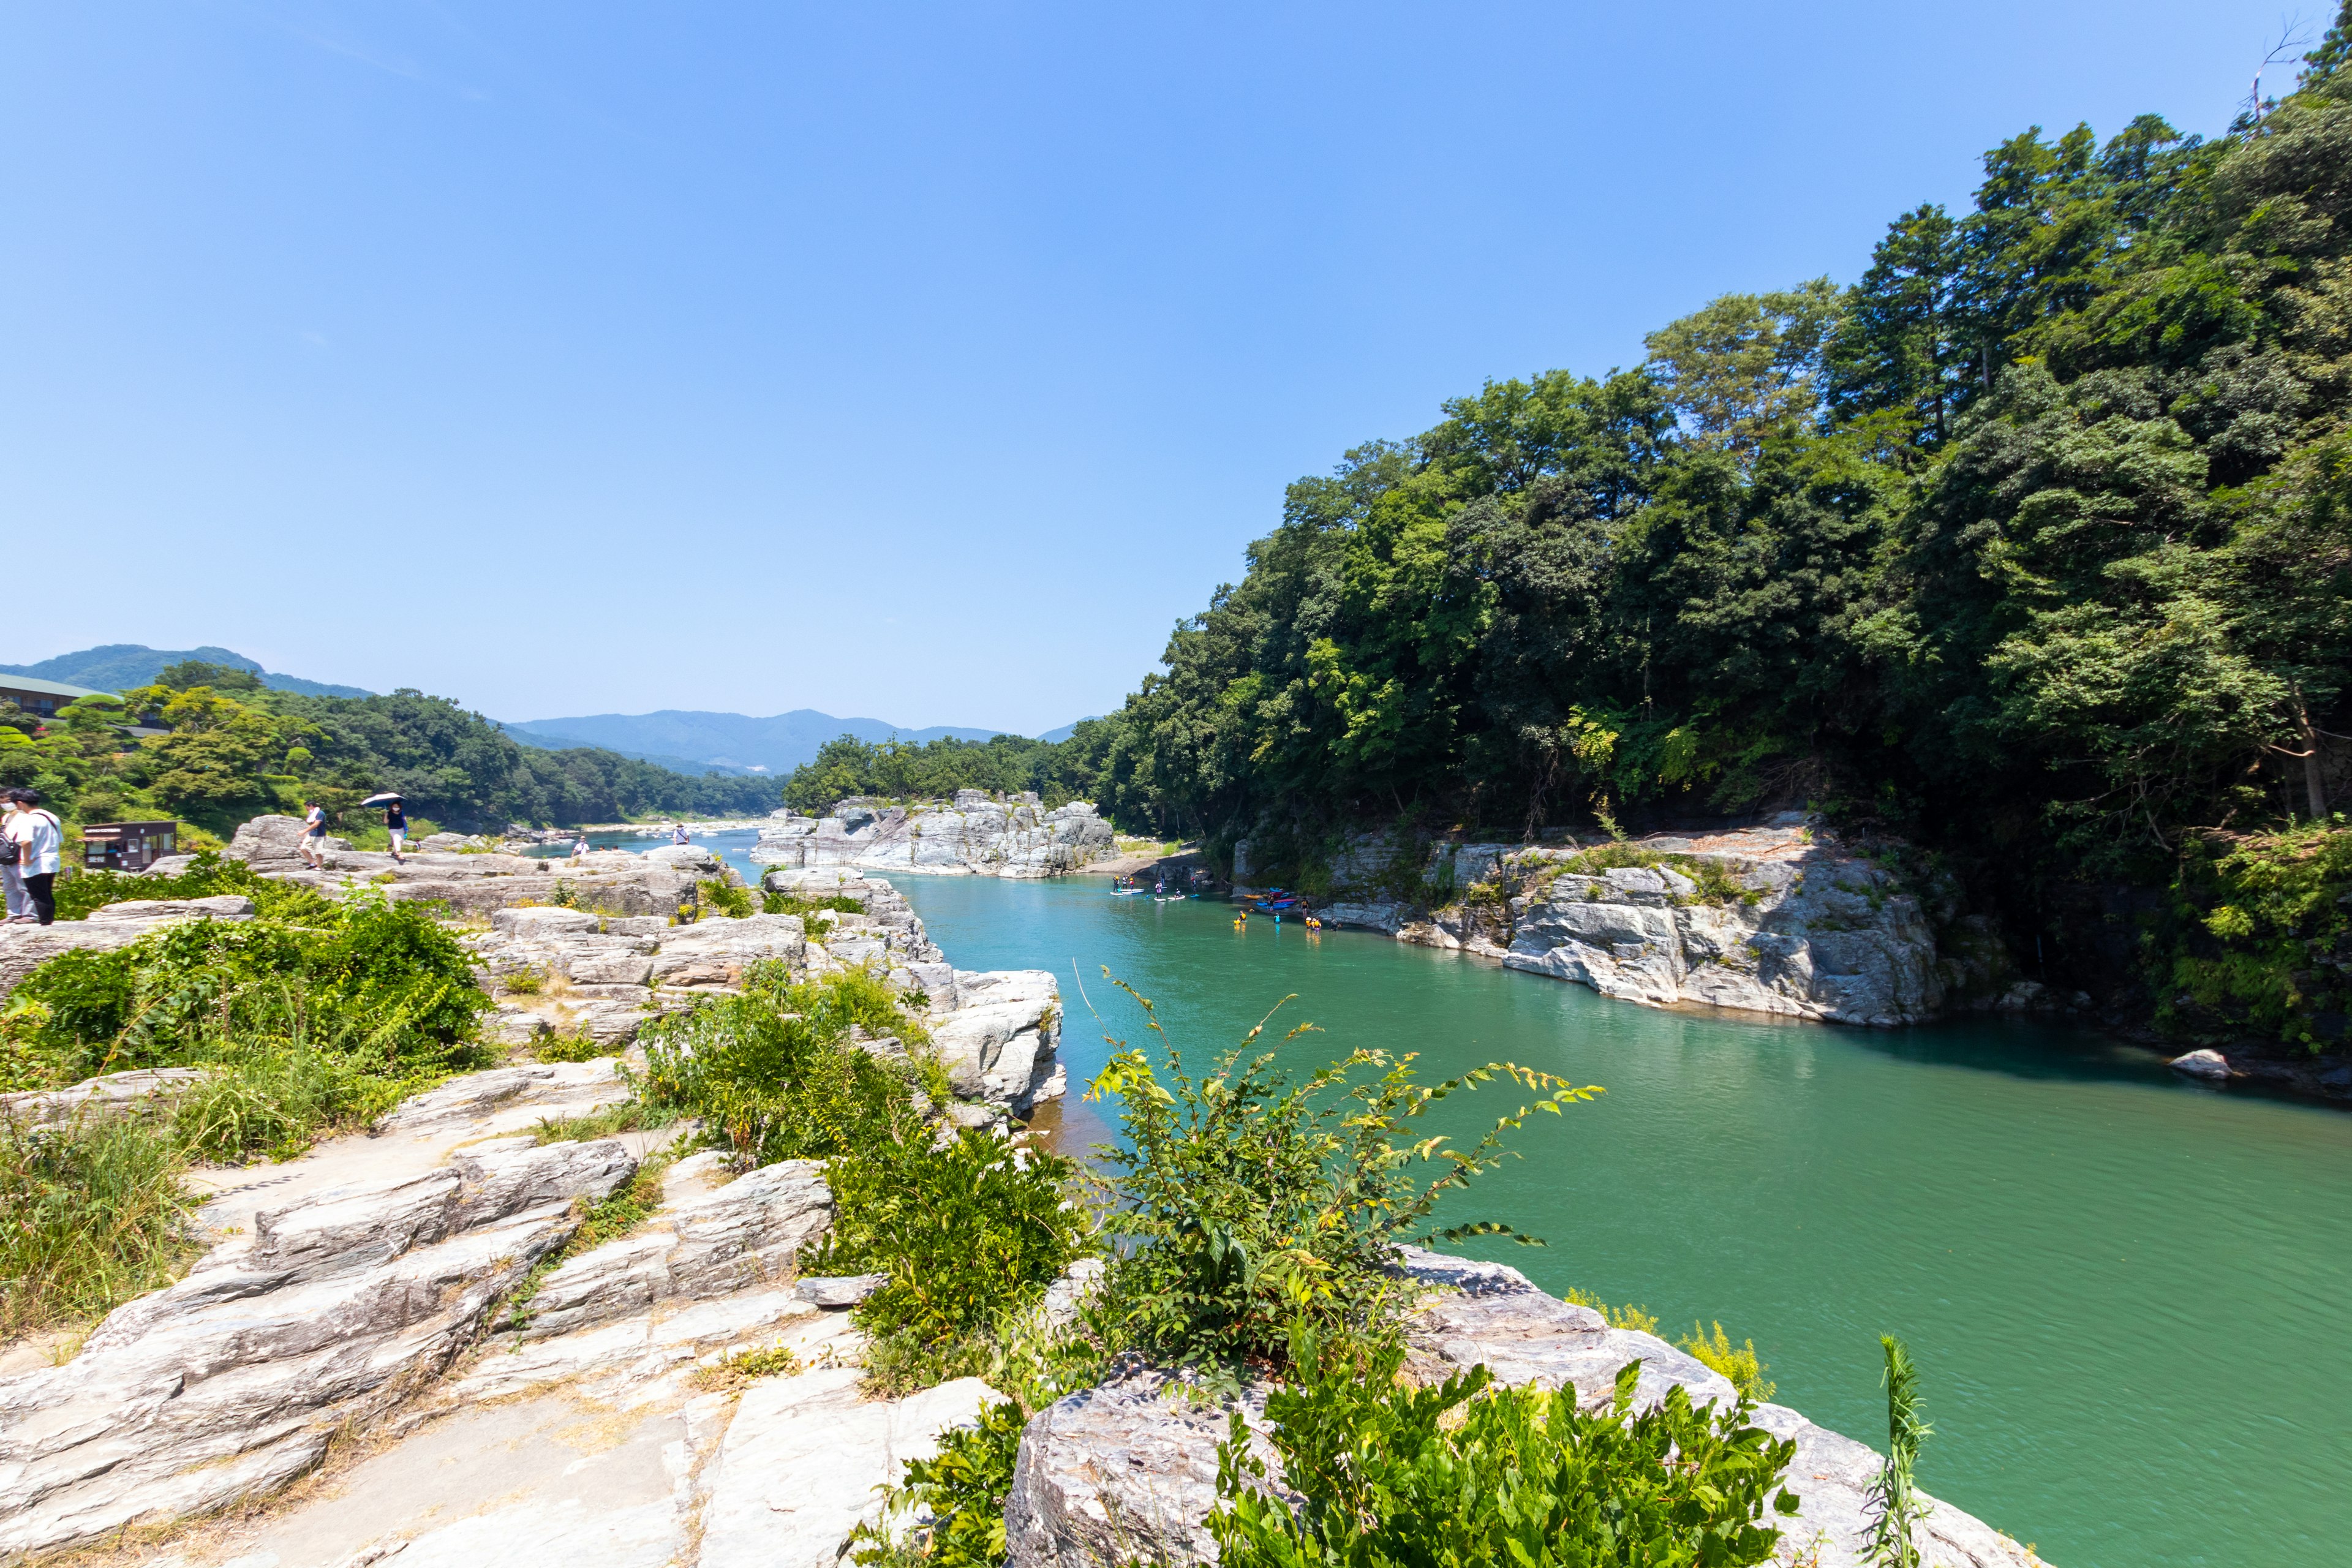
(683, 742)
(732, 742)
(118, 667)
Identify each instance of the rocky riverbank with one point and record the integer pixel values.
(377, 1354)
(1780, 919)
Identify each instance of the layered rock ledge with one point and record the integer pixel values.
(975, 834)
(1780, 919)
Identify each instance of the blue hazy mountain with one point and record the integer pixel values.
(733, 741)
(1066, 731)
(118, 667)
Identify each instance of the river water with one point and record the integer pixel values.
(2130, 1296)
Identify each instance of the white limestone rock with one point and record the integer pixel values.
(975, 833)
(138, 1092)
(746, 1233)
(1000, 1042)
(1810, 930)
(330, 1312)
(1126, 1472)
(802, 1460)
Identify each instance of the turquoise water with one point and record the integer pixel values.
(2131, 1297)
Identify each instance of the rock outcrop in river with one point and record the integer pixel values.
(1780, 919)
(977, 833)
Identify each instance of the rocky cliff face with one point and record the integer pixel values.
(976, 833)
(1780, 919)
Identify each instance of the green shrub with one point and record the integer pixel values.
(273, 1100)
(1625, 1317)
(1895, 1502)
(1468, 1473)
(1716, 885)
(961, 1495)
(208, 875)
(189, 991)
(1739, 1363)
(724, 899)
(1248, 1202)
(769, 1083)
(523, 983)
(776, 903)
(579, 1046)
(91, 1214)
(971, 1234)
(605, 1122)
(2259, 932)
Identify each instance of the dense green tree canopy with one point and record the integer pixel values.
(2037, 538)
(231, 748)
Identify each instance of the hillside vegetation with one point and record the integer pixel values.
(2031, 545)
(236, 748)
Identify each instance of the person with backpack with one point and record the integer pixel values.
(11, 855)
(40, 841)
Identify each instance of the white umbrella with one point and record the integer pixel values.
(388, 797)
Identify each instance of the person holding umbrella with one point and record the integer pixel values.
(395, 821)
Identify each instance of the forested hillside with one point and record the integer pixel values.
(235, 748)
(2030, 546)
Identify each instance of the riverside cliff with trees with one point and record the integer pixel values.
(2031, 548)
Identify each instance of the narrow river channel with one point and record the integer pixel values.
(2131, 1297)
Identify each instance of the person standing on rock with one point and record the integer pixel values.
(11, 855)
(395, 826)
(580, 849)
(314, 837)
(40, 841)
(678, 833)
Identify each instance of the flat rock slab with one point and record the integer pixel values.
(421, 1135)
(330, 1312)
(553, 1479)
(802, 1460)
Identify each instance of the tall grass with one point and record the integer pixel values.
(92, 1213)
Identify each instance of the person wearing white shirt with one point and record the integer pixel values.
(40, 841)
(11, 878)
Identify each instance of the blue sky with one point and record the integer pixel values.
(924, 362)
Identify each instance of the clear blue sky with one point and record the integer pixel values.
(919, 362)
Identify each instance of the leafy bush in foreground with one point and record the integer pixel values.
(397, 986)
(209, 875)
(961, 1493)
(771, 1080)
(1248, 1202)
(970, 1232)
(1469, 1473)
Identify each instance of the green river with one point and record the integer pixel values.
(2130, 1296)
